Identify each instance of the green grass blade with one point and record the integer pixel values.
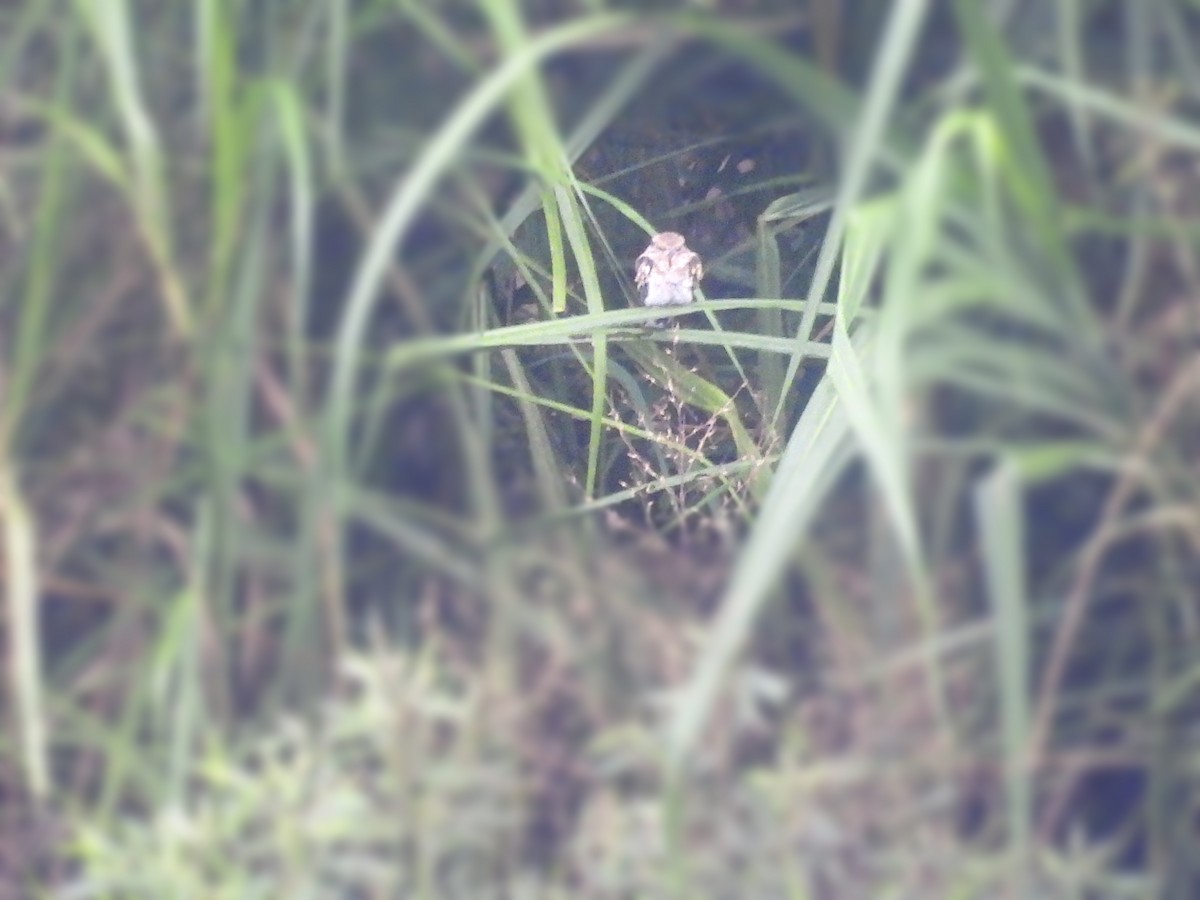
(898, 42)
(817, 453)
(998, 512)
(407, 199)
(1030, 172)
(24, 639)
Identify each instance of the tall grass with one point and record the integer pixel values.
(360, 539)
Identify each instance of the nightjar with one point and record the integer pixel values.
(667, 272)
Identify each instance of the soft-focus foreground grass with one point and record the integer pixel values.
(358, 541)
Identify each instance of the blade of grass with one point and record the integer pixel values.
(1071, 33)
(19, 539)
(897, 45)
(625, 86)
(769, 283)
(1146, 120)
(337, 15)
(546, 468)
(22, 593)
(148, 195)
(405, 202)
(42, 271)
(819, 450)
(1000, 519)
(287, 105)
(697, 391)
(1034, 185)
(230, 133)
(577, 330)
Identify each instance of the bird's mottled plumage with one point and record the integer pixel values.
(667, 271)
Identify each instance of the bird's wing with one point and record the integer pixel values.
(644, 266)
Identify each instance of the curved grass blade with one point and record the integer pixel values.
(406, 200)
(818, 452)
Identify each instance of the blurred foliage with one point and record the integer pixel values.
(359, 538)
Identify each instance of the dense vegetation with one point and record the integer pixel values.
(361, 538)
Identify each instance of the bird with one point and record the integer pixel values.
(667, 272)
